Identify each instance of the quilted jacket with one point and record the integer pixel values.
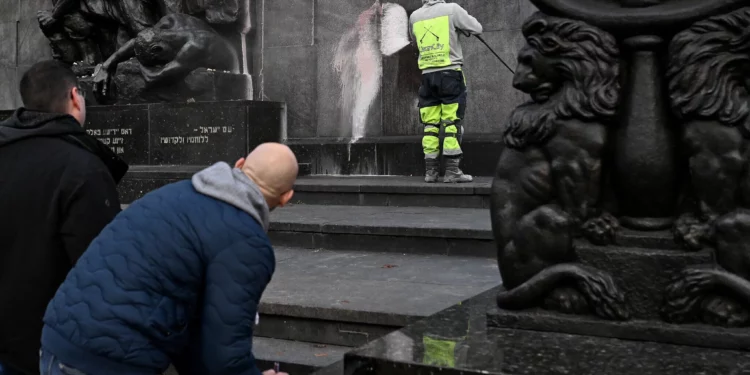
(175, 278)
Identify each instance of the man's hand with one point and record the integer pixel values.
(45, 18)
(101, 79)
(101, 73)
(272, 372)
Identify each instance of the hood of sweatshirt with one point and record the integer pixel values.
(231, 185)
(432, 2)
(27, 124)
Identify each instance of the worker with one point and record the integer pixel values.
(442, 96)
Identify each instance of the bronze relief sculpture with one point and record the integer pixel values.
(171, 49)
(621, 203)
(167, 50)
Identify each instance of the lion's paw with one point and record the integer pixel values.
(724, 312)
(691, 232)
(601, 230)
(686, 292)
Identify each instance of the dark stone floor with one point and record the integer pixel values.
(387, 288)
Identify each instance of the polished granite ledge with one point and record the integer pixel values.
(642, 330)
(458, 341)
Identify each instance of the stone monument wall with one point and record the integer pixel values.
(296, 62)
(21, 45)
(293, 48)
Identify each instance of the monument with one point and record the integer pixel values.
(167, 81)
(620, 204)
(597, 162)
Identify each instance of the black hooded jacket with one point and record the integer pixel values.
(57, 192)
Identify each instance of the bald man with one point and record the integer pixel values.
(175, 278)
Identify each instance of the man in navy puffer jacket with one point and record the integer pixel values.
(175, 278)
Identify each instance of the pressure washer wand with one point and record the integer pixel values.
(495, 53)
(468, 34)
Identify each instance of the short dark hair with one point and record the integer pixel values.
(45, 86)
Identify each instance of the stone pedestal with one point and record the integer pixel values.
(201, 85)
(674, 65)
(460, 340)
(644, 267)
(175, 137)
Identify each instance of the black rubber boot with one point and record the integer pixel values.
(431, 170)
(453, 174)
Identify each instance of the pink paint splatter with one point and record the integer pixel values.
(358, 59)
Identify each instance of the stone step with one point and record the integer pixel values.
(334, 190)
(336, 368)
(295, 357)
(321, 304)
(391, 191)
(427, 230)
(349, 298)
(391, 155)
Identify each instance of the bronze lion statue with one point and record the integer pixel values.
(548, 182)
(709, 83)
(708, 75)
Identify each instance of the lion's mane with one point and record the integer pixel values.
(586, 59)
(708, 69)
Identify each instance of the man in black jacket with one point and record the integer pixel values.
(57, 192)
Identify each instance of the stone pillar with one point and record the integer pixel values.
(645, 172)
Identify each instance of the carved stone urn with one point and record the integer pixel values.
(646, 170)
(621, 204)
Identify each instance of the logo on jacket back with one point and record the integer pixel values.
(433, 40)
(432, 47)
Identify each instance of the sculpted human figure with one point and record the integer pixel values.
(215, 12)
(170, 50)
(88, 30)
(708, 81)
(547, 186)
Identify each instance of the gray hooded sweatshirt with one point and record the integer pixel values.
(433, 27)
(231, 185)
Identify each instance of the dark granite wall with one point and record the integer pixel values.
(21, 45)
(295, 43)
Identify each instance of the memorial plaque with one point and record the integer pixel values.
(198, 133)
(185, 133)
(125, 129)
